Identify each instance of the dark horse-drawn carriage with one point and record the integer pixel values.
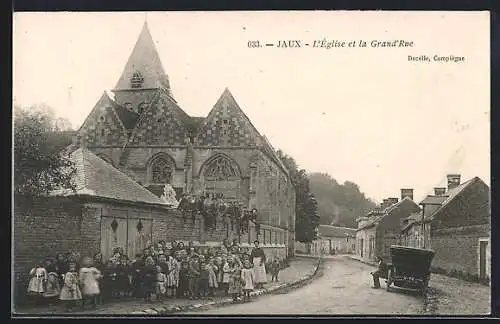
(409, 268)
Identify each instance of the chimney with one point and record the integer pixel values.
(453, 180)
(439, 191)
(406, 193)
(392, 201)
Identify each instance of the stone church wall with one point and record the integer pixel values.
(271, 192)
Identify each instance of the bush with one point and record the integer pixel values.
(461, 275)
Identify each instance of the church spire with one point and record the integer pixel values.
(144, 69)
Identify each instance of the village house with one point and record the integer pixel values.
(143, 132)
(335, 239)
(381, 228)
(330, 240)
(455, 223)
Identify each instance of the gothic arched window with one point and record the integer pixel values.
(221, 176)
(220, 168)
(137, 80)
(161, 171)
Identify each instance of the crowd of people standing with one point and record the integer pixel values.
(161, 271)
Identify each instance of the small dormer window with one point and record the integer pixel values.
(137, 80)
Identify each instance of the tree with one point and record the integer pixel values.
(306, 212)
(339, 204)
(39, 166)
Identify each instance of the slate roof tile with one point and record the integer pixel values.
(128, 117)
(97, 178)
(433, 200)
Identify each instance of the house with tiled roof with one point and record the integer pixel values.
(142, 131)
(336, 239)
(381, 228)
(455, 223)
(96, 179)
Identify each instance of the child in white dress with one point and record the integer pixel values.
(70, 292)
(38, 277)
(88, 278)
(247, 276)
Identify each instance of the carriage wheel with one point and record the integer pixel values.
(389, 280)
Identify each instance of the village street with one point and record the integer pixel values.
(344, 289)
(342, 286)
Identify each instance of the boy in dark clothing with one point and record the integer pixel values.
(109, 283)
(123, 283)
(61, 265)
(183, 289)
(194, 275)
(275, 269)
(136, 268)
(149, 280)
(203, 280)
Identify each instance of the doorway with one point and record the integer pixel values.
(371, 247)
(132, 234)
(483, 256)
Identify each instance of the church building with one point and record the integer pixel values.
(144, 133)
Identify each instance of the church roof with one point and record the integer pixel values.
(106, 102)
(229, 95)
(241, 130)
(97, 178)
(145, 61)
(162, 94)
(195, 124)
(144, 71)
(128, 117)
(271, 151)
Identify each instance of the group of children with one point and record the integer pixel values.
(64, 279)
(177, 272)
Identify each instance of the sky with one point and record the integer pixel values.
(366, 115)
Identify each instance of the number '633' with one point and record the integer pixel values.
(253, 43)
